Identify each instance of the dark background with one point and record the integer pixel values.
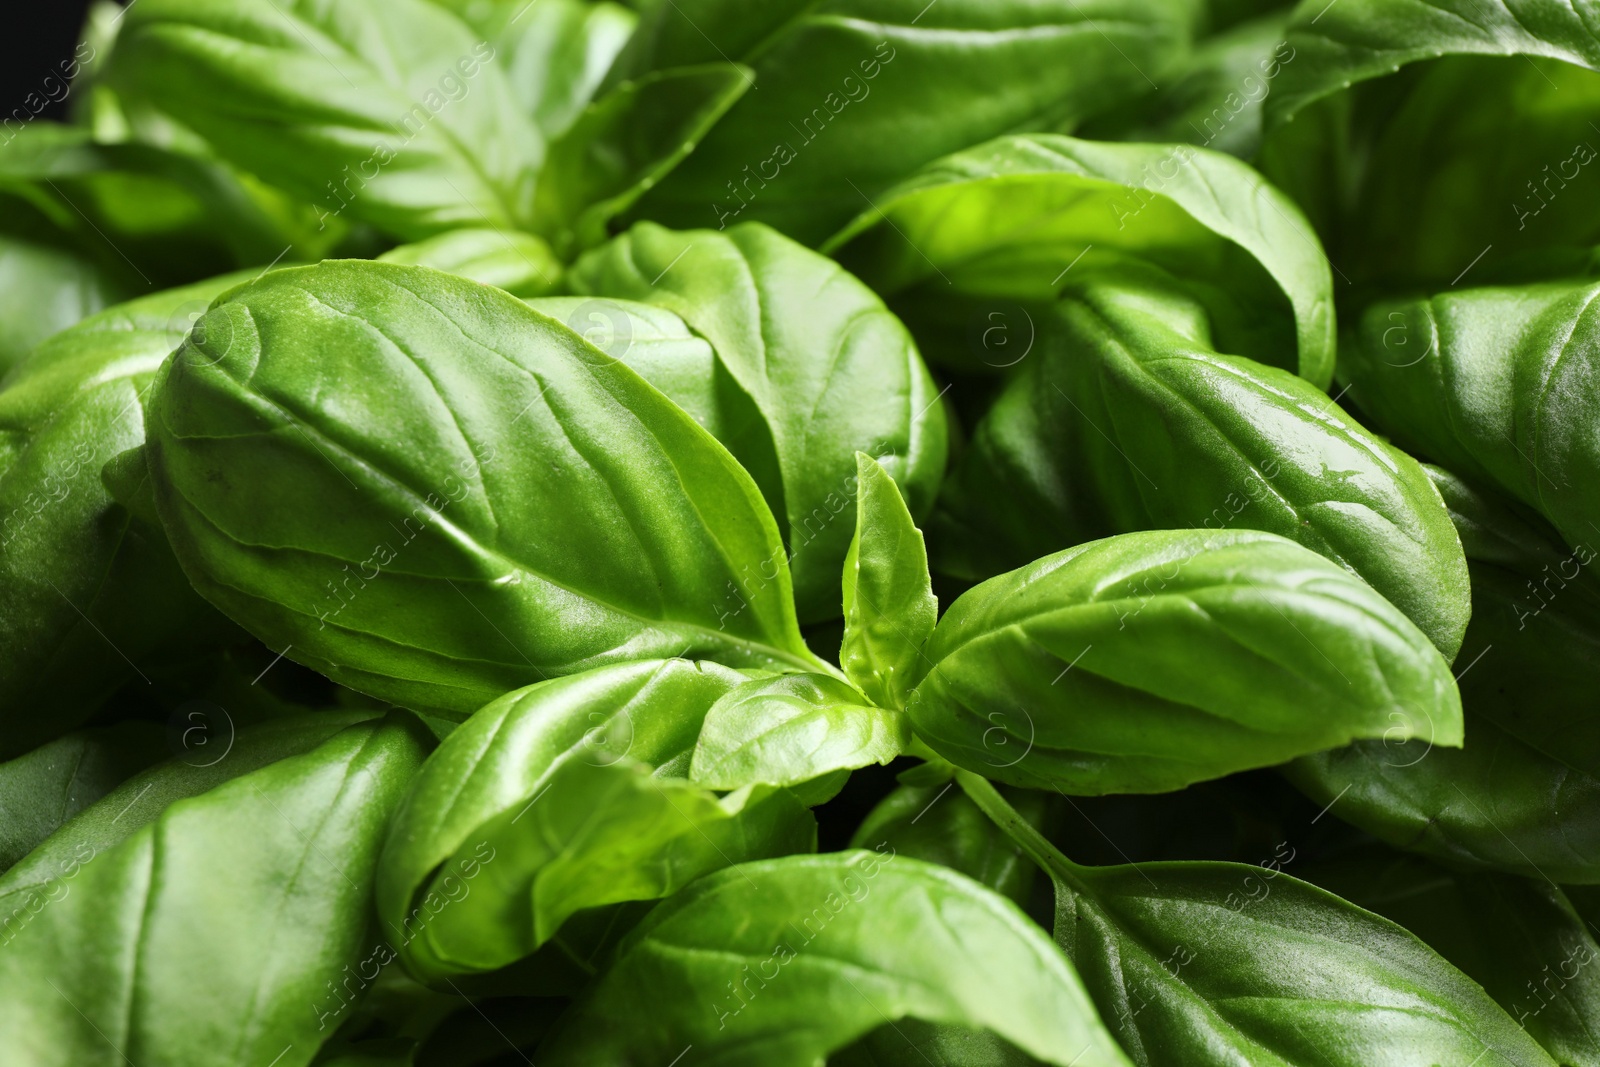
(39, 37)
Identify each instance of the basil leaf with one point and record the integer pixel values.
(768, 307)
(792, 729)
(872, 938)
(555, 53)
(570, 761)
(1021, 216)
(1518, 937)
(1524, 793)
(1412, 93)
(43, 290)
(1127, 418)
(1145, 662)
(397, 105)
(1240, 963)
(843, 90)
(427, 483)
(1493, 384)
(519, 263)
(51, 784)
(889, 606)
(142, 798)
(140, 948)
(1369, 39)
(86, 593)
(625, 143)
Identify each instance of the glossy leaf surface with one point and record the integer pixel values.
(835, 946)
(1145, 662)
(359, 452)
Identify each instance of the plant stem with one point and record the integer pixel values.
(1037, 847)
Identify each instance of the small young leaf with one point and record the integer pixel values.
(889, 606)
(791, 729)
(519, 263)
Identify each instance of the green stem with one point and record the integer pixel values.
(1037, 847)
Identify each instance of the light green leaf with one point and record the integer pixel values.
(791, 729)
(805, 954)
(392, 112)
(214, 934)
(889, 606)
(435, 494)
(563, 796)
(1145, 662)
(43, 290)
(519, 263)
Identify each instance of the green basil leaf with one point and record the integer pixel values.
(1127, 418)
(792, 729)
(889, 606)
(1524, 793)
(1517, 937)
(1145, 662)
(87, 594)
(768, 307)
(393, 112)
(43, 290)
(843, 91)
(547, 797)
(1366, 39)
(871, 938)
(519, 263)
(1495, 385)
(138, 956)
(435, 494)
(555, 53)
(625, 143)
(1411, 93)
(143, 797)
(51, 784)
(1233, 963)
(1021, 216)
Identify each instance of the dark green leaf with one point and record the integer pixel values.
(889, 606)
(782, 962)
(1524, 793)
(591, 767)
(1021, 216)
(831, 371)
(87, 594)
(51, 784)
(1127, 418)
(1144, 662)
(1517, 937)
(846, 93)
(435, 494)
(1232, 963)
